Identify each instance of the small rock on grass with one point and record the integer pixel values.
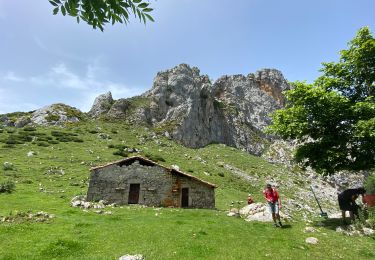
(309, 230)
(312, 240)
(131, 257)
(368, 231)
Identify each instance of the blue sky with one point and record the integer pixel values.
(47, 59)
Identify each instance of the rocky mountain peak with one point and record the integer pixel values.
(233, 110)
(101, 105)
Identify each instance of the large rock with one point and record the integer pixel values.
(56, 114)
(233, 110)
(259, 212)
(22, 121)
(102, 105)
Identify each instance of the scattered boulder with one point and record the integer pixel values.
(312, 240)
(80, 201)
(368, 231)
(104, 136)
(132, 257)
(31, 153)
(309, 230)
(259, 212)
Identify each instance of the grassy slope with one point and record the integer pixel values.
(157, 234)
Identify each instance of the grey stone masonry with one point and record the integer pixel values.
(158, 185)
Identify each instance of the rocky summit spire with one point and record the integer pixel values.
(101, 105)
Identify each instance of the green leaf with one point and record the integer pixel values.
(143, 5)
(63, 11)
(146, 10)
(150, 17)
(55, 11)
(137, 1)
(53, 3)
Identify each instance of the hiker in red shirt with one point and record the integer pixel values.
(274, 203)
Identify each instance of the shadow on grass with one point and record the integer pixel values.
(285, 226)
(329, 223)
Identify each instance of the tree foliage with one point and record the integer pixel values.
(97, 13)
(334, 118)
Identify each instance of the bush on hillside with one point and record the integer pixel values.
(155, 157)
(29, 128)
(7, 166)
(122, 153)
(7, 187)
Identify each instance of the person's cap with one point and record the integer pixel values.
(268, 185)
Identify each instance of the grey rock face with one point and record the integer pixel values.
(56, 114)
(22, 121)
(233, 111)
(102, 104)
(119, 108)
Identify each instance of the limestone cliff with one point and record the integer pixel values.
(233, 110)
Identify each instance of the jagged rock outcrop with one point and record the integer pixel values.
(119, 108)
(22, 121)
(56, 114)
(102, 105)
(233, 110)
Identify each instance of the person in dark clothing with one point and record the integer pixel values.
(347, 200)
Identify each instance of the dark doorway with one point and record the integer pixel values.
(185, 197)
(134, 193)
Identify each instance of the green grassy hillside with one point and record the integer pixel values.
(58, 170)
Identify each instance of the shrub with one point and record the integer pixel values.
(51, 117)
(121, 153)
(111, 146)
(10, 130)
(221, 174)
(42, 143)
(370, 184)
(7, 166)
(156, 158)
(9, 146)
(29, 128)
(7, 186)
(53, 142)
(93, 131)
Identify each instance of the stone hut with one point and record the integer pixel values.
(137, 180)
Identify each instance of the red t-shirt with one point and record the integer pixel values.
(271, 195)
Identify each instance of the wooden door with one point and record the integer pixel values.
(185, 197)
(134, 193)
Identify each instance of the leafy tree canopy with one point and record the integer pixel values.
(97, 13)
(334, 118)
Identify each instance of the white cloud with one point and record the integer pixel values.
(60, 84)
(87, 86)
(11, 76)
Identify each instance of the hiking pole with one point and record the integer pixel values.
(322, 214)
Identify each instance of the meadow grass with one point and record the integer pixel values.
(49, 179)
